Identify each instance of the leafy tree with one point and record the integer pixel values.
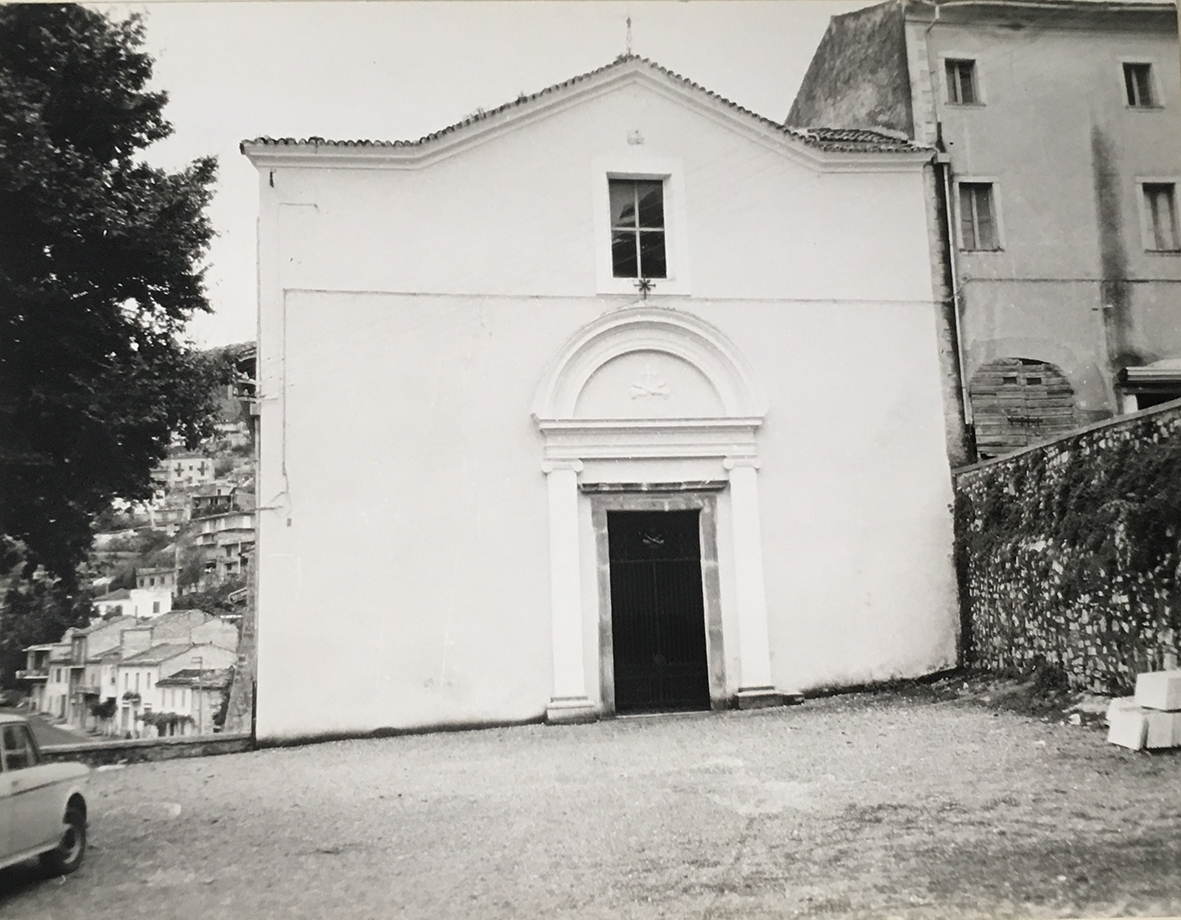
(214, 601)
(191, 570)
(100, 270)
(124, 579)
(37, 610)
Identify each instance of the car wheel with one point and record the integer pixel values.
(71, 848)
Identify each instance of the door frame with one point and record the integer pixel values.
(697, 496)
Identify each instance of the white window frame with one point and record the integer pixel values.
(997, 221)
(946, 56)
(641, 166)
(1146, 229)
(1154, 84)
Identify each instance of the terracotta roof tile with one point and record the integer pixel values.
(211, 678)
(832, 139)
(158, 653)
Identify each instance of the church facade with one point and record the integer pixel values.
(617, 398)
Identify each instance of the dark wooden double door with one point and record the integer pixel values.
(657, 611)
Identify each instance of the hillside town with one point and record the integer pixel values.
(171, 584)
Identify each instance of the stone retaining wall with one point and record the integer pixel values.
(1069, 553)
(141, 750)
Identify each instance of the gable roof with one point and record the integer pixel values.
(822, 139)
(210, 678)
(158, 654)
(103, 624)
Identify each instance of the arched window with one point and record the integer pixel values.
(1019, 401)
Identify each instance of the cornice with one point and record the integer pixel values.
(318, 153)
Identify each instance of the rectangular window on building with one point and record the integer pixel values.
(1160, 205)
(1138, 83)
(637, 228)
(961, 82)
(977, 217)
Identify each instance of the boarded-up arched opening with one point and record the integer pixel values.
(1017, 401)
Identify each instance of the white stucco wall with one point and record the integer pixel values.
(407, 316)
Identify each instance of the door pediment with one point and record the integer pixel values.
(648, 382)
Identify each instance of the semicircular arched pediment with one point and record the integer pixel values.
(648, 364)
(648, 384)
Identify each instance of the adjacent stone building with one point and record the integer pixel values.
(1059, 126)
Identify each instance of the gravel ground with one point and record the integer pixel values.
(862, 805)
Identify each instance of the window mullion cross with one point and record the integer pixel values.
(636, 218)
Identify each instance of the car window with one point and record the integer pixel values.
(19, 752)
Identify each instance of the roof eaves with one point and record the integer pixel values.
(813, 137)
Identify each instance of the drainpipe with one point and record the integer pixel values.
(942, 164)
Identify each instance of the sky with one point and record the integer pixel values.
(400, 69)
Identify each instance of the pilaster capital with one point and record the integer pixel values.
(551, 466)
(731, 463)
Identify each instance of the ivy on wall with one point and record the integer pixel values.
(1069, 555)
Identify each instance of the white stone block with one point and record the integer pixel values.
(1163, 729)
(1121, 702)
(1159, 690)
(1127, 724)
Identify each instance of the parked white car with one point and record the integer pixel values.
(42, 805)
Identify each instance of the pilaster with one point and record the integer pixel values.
(755, 688)
(569, 702)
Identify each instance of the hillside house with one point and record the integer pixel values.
(196, 695)
(1059, 126)
(157, 577)
(616, 398)
(215, 498)
(135, 602)
(55, 700)
(35, 675)
(186, 470)
(122, 658)
(88, 645)
(139, 674)
(224, 541)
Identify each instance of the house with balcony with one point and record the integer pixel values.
(88, 645)
(225, 541)
(215, 498)
(35, 675)
(1055, 207)
(56, 699)
(168, 511)
(183, 470)
(67, 678)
